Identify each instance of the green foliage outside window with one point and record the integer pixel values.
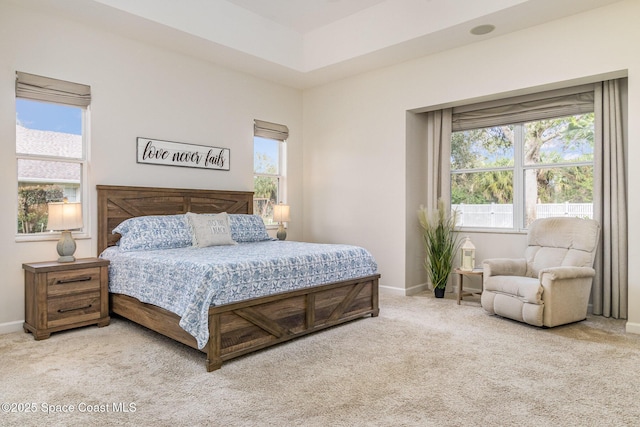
(265, 186)
(482, 162)
(32, 206)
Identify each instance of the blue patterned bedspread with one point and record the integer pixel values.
(186, 281)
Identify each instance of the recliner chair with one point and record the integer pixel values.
(551, 285)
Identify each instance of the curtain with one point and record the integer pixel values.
(438, 157)
(609, 292)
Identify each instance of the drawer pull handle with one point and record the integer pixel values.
(65, 310)
(74, 279)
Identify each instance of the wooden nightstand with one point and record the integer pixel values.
(61, 296)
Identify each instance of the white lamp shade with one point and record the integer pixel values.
(281, 213)
(64, 216)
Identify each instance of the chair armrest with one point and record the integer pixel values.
(565, 294)
(504, 267)
(560, 273)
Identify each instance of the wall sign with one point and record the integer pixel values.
(157, 152)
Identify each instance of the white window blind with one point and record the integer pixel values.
(270, 130)
(526, 108)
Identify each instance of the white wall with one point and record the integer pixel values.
(359, 154)
(137, 90)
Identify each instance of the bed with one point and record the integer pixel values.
(239, 327)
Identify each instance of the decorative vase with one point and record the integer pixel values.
(439, 292)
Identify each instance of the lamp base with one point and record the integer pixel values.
(282, 233)
(66, 247)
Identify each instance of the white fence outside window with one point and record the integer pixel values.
(501, 215)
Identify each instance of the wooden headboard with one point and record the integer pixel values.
(118, 203)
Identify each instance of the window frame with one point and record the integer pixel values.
(83, 161)
(518, 169)
(281, 176)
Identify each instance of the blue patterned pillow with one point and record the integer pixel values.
(154, 232)
(247, 228)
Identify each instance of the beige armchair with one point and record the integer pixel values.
(551, 285)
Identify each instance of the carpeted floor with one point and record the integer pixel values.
(422, 362)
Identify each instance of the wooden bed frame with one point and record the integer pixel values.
(238, 328)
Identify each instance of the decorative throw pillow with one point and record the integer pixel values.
(210, 229)
(248, 228)
(153, 232)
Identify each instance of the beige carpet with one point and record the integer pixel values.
(423, 362)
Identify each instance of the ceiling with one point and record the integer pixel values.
(303, 43)
(305, 15)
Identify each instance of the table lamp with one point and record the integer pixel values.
(64, 217)
(281, 215)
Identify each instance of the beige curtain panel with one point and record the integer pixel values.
(610, 286)
(438, 157)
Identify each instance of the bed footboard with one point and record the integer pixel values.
(243, 327)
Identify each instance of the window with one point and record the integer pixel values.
(507, 175)
(269, 168)
(51, 118)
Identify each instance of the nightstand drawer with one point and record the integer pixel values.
(73, 309)
(73, 281)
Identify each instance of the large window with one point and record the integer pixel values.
(269, 168)
(51, 118)
(508, 175)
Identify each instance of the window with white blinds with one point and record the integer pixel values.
(51, 141)
(269, 167)
(518, 159)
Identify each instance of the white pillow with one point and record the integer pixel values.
(210, 230)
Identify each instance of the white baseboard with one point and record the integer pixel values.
(633, 328)
(405, 291)
(10, 327)
(421, 288)
(391, 290)
(416, 289)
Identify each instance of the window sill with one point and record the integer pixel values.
(462, 230)
(44, 237)
(273, 226)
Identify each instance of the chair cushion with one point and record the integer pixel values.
(561, 232)
(556, 242)
(526, 289)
